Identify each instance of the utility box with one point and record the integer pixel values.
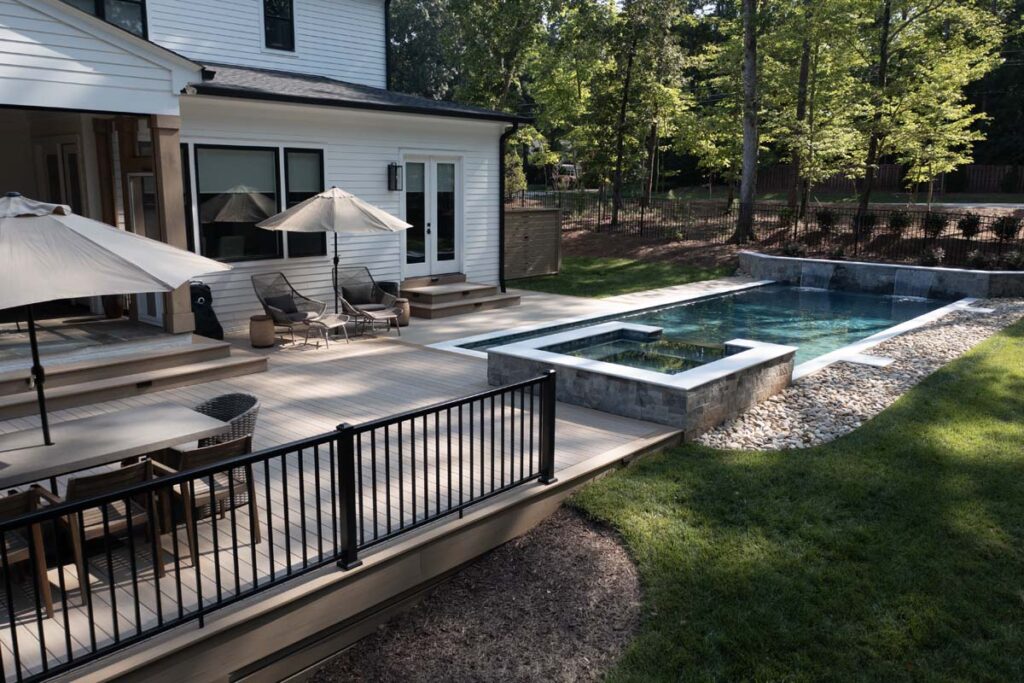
(533, 242)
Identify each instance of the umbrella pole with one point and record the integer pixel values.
(38, 375)
(335, 274)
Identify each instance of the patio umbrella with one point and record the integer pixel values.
(47, 252)
(336, 211)
(240, 204)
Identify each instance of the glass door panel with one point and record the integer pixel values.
(416, 214)
(445, 201)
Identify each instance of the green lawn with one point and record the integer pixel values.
(895, 553)
(604, 276)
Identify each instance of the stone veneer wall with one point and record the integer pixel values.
(693, 410)
(879, 278)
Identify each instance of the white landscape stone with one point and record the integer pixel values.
(836, 400)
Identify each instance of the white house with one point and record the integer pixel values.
(141, 112)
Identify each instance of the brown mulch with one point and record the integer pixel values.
(558, 604)
(689, 252)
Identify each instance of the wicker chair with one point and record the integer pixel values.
(283, 303)
(20, 547)
(360, 290)
(232, 489)
(238, 410)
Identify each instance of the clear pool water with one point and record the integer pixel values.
(816, 321)
(661, 355)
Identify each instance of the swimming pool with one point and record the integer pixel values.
(816, 321)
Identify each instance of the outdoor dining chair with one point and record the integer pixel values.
(21, 548)
(129, 515)
(230, 489)
(239, 410)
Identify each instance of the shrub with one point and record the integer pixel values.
(934, 224)
(837, 253)
(787, 216)
(979, 260)
(932, 256)
(864, 224)
(794, 249)
(1012, 260)
(1006, 227)
(826, 219)
(969, 225)
(899, 221)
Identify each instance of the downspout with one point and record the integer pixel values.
(501, 202)
(387, 44)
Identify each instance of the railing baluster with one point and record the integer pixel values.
(6, 566)
(346, 467)
(547, 427)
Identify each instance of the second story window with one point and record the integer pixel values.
(127, 14)
(279, 25)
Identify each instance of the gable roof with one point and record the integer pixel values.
(281, 86)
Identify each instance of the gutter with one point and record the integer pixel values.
(509, 132)
(387, 44)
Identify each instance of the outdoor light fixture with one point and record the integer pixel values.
(394, 177)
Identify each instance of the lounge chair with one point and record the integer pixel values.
(21, 548)
(285, 305)
(370, 319)
(366, 294)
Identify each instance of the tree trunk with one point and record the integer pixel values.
(652, 151)
(748, 178)
(795, 200)
(876, 122)
(620, 133)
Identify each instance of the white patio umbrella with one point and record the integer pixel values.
(47, 252)
(336, 211)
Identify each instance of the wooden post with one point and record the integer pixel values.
(171, 210)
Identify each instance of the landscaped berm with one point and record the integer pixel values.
(893, 553)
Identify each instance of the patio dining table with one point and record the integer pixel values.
(99, 440)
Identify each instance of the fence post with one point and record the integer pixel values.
(349, 541)
(547, 428)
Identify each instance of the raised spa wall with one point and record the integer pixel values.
(882, 278)
(694, 401)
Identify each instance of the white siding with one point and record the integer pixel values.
(358, 146)
(342, 39)
(52, 56)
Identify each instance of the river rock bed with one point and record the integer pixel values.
(836, 400)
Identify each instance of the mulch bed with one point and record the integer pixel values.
(559, 604)
(688, 252)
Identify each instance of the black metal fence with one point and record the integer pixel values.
(221, 533)
(934, 237)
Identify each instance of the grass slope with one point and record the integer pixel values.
(895, 553)
(606, 276)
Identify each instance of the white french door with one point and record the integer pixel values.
(433, 204)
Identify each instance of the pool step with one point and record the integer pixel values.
(441, 300)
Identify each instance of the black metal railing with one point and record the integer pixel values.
(883, 233)
(254, 521)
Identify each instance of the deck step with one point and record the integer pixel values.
(447, 293)
(427, 280)
(461, 307)
(128, 363)
(110, 388)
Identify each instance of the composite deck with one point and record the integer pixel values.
(305, 392)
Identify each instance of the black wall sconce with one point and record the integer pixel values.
(394, 177)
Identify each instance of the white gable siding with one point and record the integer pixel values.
(357, 146)
(51, 56)
(342, 39)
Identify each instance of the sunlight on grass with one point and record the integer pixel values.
(605, 276)
(893, 553)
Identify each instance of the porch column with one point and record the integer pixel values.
(171, 209)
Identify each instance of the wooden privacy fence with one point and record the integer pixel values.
(532, 242)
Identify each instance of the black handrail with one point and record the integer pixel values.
(322, 500)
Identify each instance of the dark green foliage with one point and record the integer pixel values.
(794, 249)
(1006, 227)
(932, 256)
(899, 221)
(969, 225)
(934, 224)
(826, 219)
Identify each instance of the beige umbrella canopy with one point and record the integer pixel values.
(336, 211)
(47, 252)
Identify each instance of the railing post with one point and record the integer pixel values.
(349, 541)
(547, 428)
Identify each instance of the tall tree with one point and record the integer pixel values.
(748, 176)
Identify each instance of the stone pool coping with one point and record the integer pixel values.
(455, 345)
(754, 353)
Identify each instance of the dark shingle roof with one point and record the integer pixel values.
(283, 86)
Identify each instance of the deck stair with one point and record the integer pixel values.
(136, 369)
(448, 295)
